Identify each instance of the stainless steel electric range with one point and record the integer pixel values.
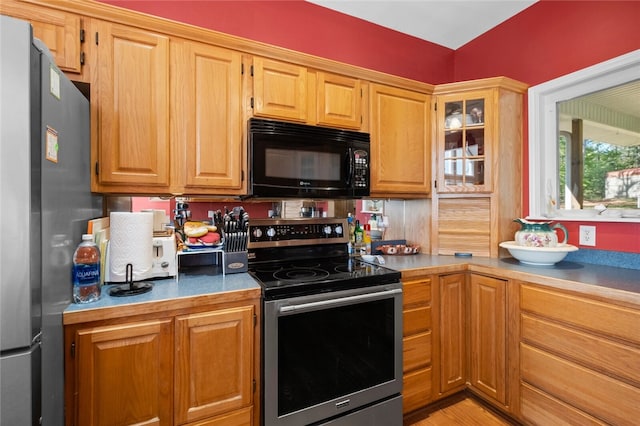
(332, 327)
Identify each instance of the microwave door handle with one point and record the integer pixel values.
(351, 167)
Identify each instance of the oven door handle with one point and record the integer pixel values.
(323, 304)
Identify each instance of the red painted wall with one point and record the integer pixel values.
(549, 39)
(309, 28)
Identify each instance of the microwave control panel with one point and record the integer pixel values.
(361, 169)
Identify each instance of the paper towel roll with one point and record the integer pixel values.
(131, 242)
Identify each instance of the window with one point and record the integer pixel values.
(584, 143)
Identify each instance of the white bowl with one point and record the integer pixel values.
(538, 256)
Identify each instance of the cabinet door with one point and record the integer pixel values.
(463, 224)
(488, 336)
(214, 363)
(279, 90)
(400, 148)
(59, 30)
(207, 111)
(339, 101)
(464, 136)
(452, 332)
(132, 80)
(124, 374)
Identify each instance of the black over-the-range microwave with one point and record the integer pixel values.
(290, 160)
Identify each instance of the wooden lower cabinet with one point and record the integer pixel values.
(186, 367)
(214, 363)
(488, 337)
(579, 359)
(124, 374)
(417, 342)
(452, 333)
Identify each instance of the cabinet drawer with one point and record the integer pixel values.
(416, 320)
(589, 314)
(236, 418)
(597, 394)
(416, 390)
(612, 358)
(416, 293)
(538, 408)
(416, 351)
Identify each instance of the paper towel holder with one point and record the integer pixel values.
(130, 288)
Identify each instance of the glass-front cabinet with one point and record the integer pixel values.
(478, 174)
(463, 137)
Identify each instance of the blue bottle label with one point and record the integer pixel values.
(86, 274)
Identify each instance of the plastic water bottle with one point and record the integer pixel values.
(86, 271)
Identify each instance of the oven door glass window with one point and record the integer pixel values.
(329, 353)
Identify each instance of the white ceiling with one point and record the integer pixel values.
(449, 23)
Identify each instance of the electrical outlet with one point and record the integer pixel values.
(587, 235)
(210, 214)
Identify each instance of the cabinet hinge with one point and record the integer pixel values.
(254, 385)
(251, 70)
(435, 107)
(252, 102)
(81, 58)
(241, 69)
(81, 35)
(97, 39)
(435, 184)
(255, 320)
(97, 169)
(242, 180)
(72, 351)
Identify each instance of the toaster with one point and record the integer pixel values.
(164, 257)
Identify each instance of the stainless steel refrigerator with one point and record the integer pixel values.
(45, 202)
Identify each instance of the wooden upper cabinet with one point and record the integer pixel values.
(124, 374)
(293, 92)
(206, 95)
(60, 31)
(131, 77)
(464, 141)
(400, 142)
(214, 363)
(478, 135)
(338, 101)
(279, 90)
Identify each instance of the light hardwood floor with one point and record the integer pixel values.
(464, 411)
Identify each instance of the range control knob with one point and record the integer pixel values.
(338, 230)
(327, 230)
(257, 232)
(271, 232)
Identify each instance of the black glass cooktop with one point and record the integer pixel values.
(289, 278)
